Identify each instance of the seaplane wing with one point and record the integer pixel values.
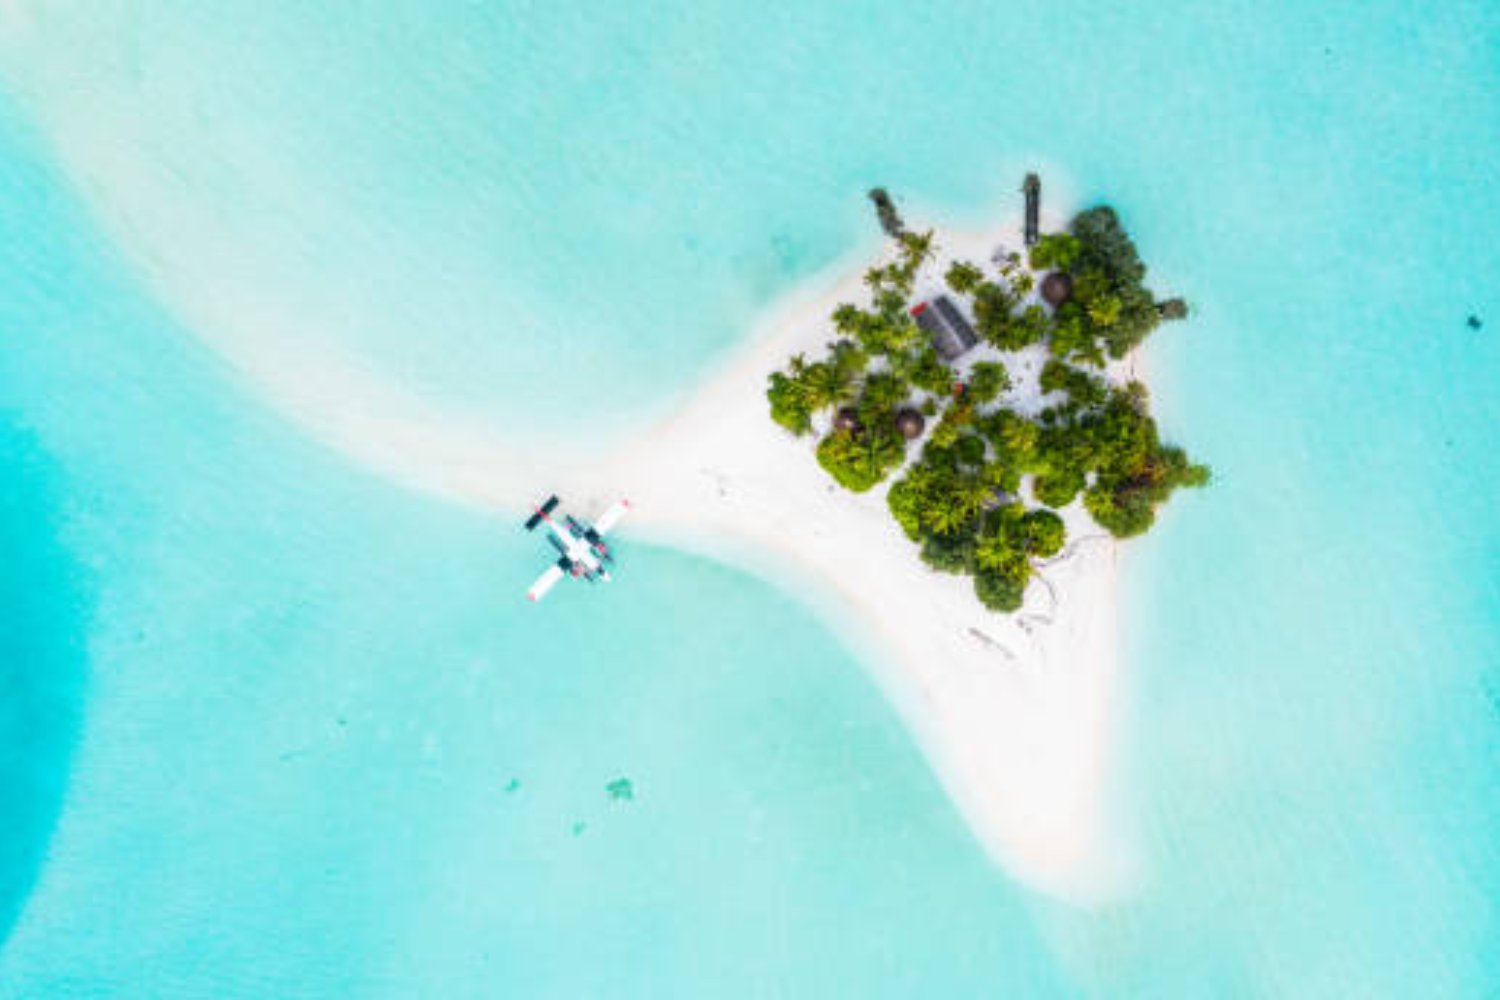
(545, 582)
(612, 516)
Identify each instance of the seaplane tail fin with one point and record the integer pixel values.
(545, 582)
(612, 516)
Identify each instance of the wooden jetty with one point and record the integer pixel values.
(1032, 189)
(890, 219)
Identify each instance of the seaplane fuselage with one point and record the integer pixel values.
(584, 553)
(585, 558)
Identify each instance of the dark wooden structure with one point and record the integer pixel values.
(1032, 189)
(1172, 309)
(946, 327)
(890, 219)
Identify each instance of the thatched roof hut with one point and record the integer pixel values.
(1056, 287)
(910, 423)
(847, 420)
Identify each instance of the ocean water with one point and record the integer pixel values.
(275, 726)
(319, 744)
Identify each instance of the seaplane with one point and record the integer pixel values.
(585, 556)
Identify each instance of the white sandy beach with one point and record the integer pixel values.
(1014, 712)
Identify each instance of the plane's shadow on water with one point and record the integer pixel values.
(44, 600)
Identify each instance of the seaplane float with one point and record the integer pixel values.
(584, 553)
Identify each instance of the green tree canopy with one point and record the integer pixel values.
(1108, 282)
(1055, 252)
(930, 374)
(987, 380)
(962, 502)
(951, 553)
(1042, 533)
(1102, 243)
(788, 407)
(963, 277)
(882, 393)
(999, 592)
(858, 461)
(995, 322)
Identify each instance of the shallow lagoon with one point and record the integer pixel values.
(304, 692)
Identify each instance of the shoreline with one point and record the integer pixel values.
(1014, 713)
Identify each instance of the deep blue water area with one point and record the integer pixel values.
(43, 666)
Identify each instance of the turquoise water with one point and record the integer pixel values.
(308, 694)
(40, 662)
(262, 709)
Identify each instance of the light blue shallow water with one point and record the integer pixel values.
(261, 710)
(309, 692)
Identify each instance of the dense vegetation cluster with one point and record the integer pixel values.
(1110, 310)
(964, 500)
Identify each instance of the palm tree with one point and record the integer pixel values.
(917, 248)
(952, 502)
(970, 495)
(823, 384)
(993, 552)
(883, 392)
(886, 451)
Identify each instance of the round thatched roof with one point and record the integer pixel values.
(847, 419)
(1056, 287)
(910, 423)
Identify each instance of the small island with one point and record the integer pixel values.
(999, 396)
